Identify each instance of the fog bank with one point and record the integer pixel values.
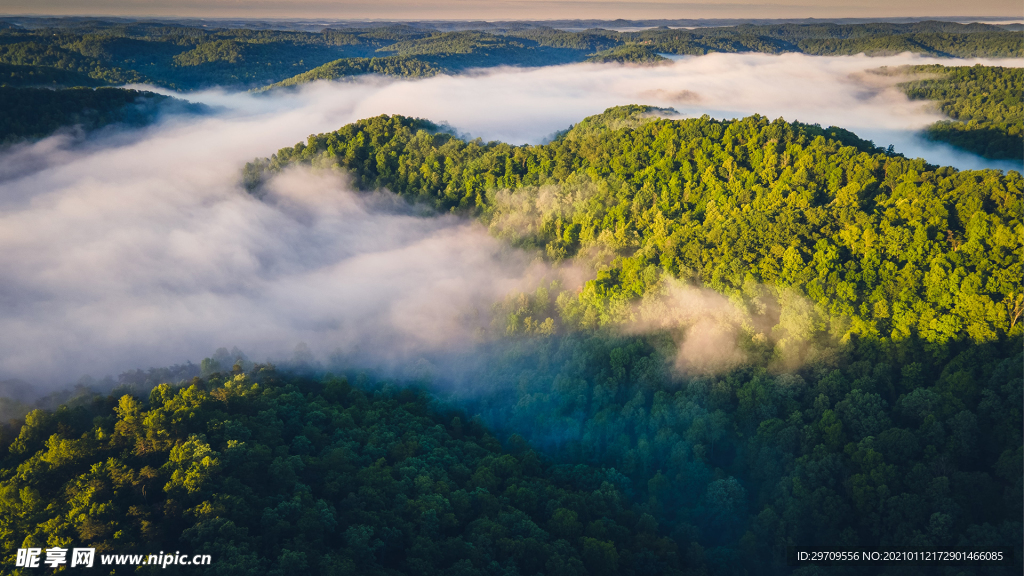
(141, 249)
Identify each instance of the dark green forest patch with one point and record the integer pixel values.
(41, 76)
(986, 104)
(31, 113)
(268, 474)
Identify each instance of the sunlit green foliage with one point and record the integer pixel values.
(455, 50)
(627, 53)
(882, 246)
(31, 50)
(884, 407)
(447, 43)
(208, 52)
(346, 67)
(178, 56)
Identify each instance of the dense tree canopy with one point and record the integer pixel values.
(271, 474)
(882, 246)
(883, 404)
(864, 445)
(41, 76)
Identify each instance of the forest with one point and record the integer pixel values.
(185, 57)
(862, 385)
(856, 258)
(350, 67)
(787, 334)
(984, 102)
(932, 38)
(731, 205)
(18, 76)
(370, 479)
(627, 54)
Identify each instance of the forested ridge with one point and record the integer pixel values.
(627, 54)
(883, 246)
(986, 104)
(272, 474)
(934, 38)
(190, 57)
(882, 406)
(349, 67)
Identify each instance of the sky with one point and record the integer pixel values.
(140, 248)
(515, 9)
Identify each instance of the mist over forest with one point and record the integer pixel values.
(163, 267)
(511, 300)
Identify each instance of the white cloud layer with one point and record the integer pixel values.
(140, 249)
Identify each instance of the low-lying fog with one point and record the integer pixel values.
(137, 250)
